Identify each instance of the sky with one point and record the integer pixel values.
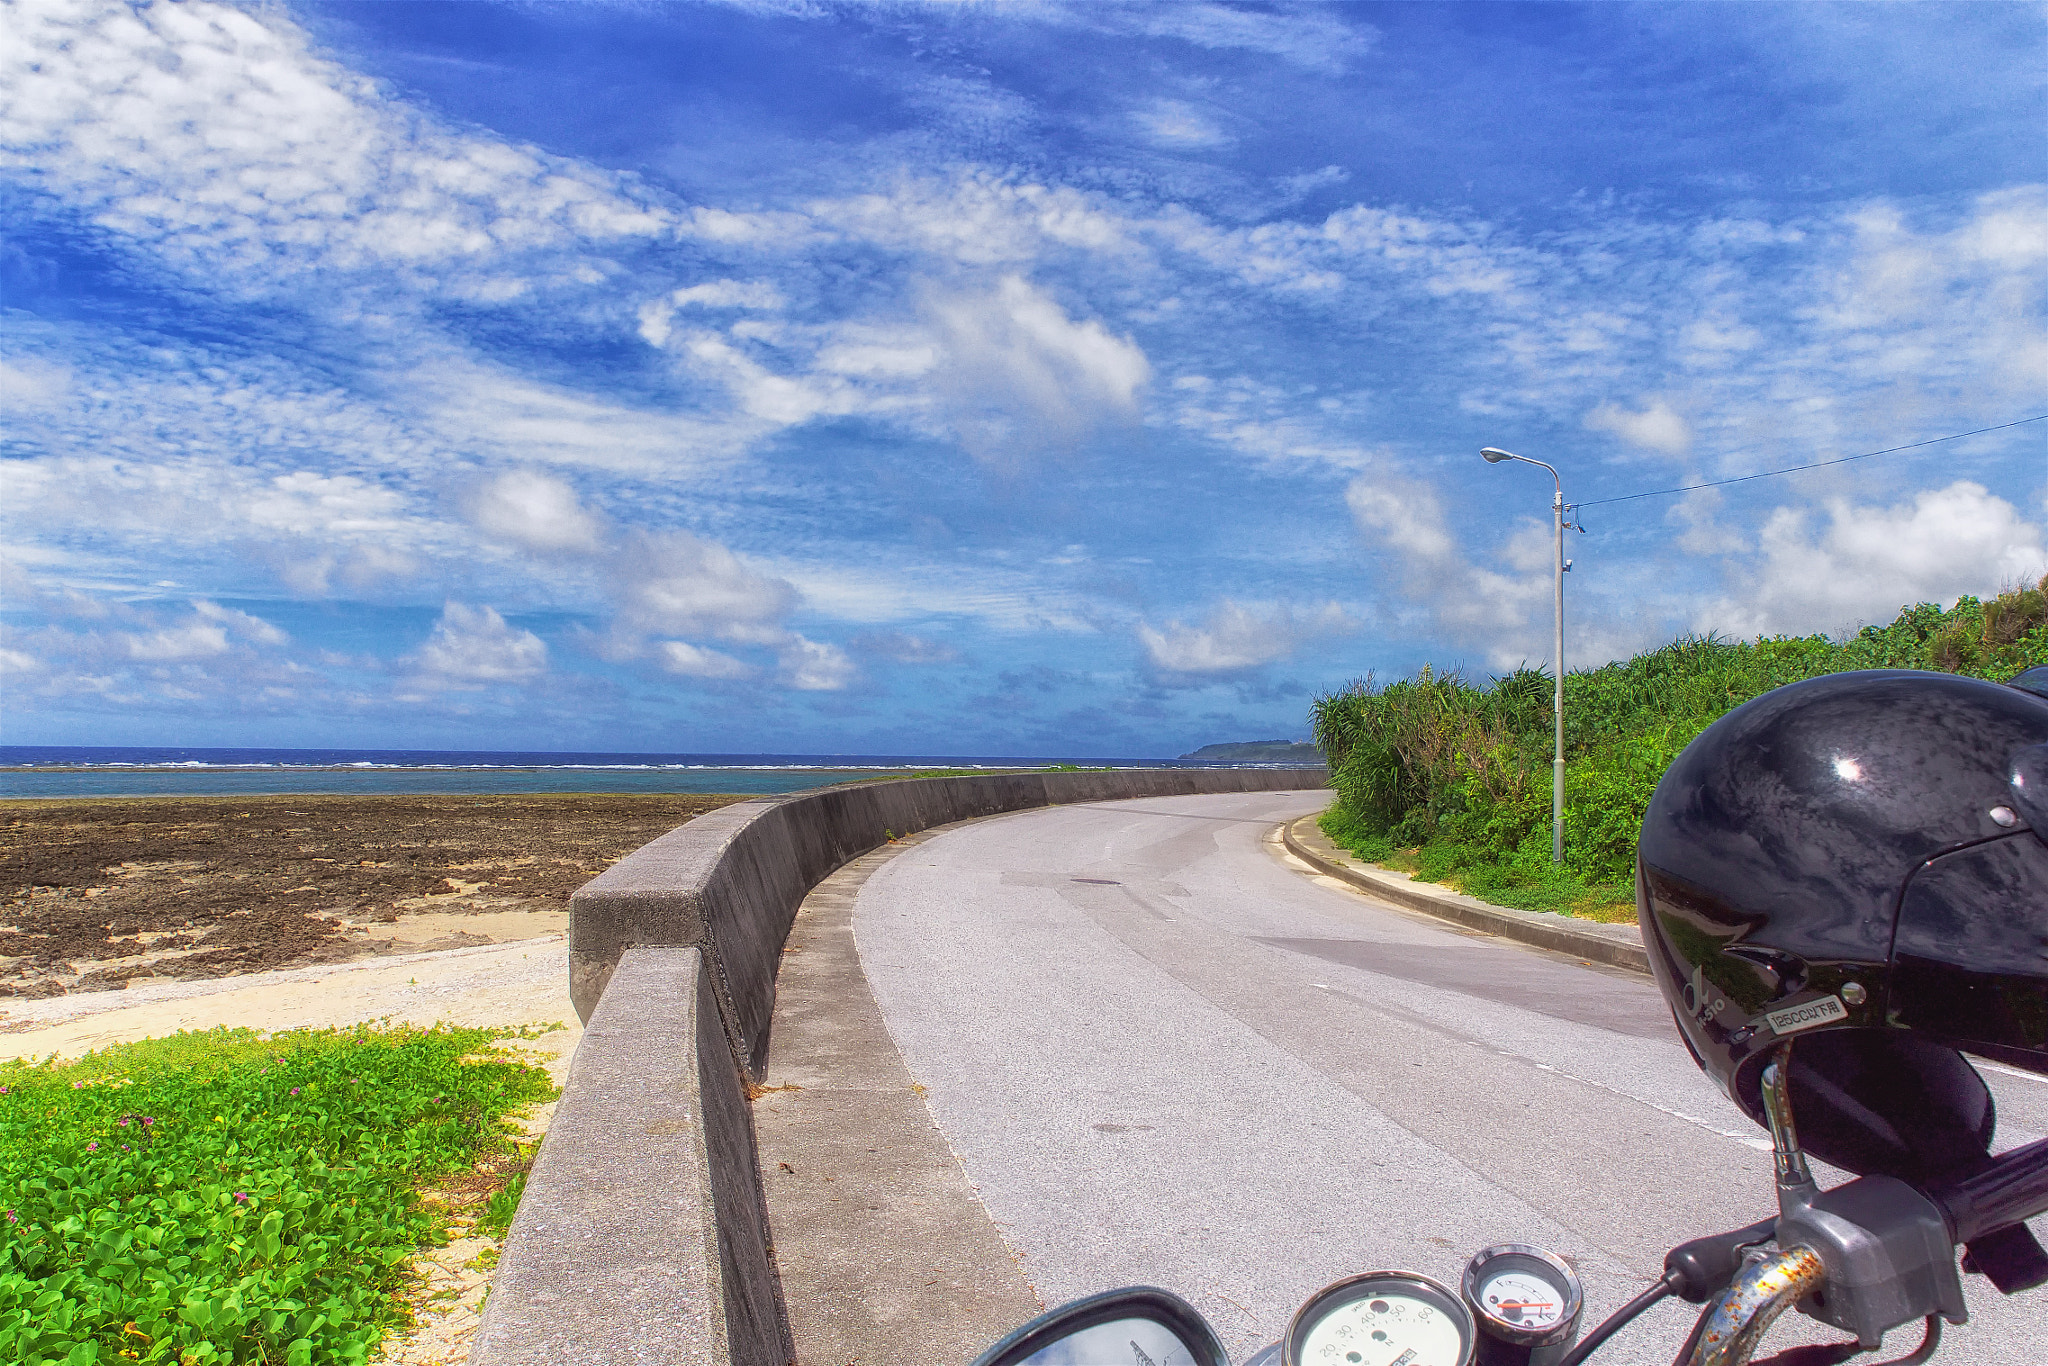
(1033, 378)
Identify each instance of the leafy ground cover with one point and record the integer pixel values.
(235, 1197)
(1450, 779)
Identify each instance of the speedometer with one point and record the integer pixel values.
(1382, 1318)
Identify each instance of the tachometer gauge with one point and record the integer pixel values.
(1382, 1318)
(1526, 1304)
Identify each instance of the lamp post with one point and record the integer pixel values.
(1494, 456)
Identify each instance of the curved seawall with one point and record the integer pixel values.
(643, 1235)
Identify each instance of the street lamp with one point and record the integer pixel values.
(1494, 456)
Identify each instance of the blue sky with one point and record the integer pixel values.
(1027, 378)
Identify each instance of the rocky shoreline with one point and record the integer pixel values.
(103, 892)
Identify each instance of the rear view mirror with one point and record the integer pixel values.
(1136, 1326)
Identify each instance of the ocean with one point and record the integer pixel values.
(52, 771)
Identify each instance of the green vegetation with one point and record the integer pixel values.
(1450, 780)
(234, 1197)
(1261, 752)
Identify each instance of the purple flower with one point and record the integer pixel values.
(147, 1121)
(92, 1146)
(126, 1149)
(241, 1197)
(123, 1121)
(295, 1090)
(13, 1218)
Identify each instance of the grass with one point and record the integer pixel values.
(1450, 779)
(236, 1197)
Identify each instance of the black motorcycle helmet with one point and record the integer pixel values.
(1859, 863)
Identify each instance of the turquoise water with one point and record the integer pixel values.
(77, 771)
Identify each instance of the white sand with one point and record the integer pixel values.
(522, 982)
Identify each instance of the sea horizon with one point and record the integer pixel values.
(59, 771)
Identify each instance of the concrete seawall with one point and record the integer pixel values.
(643, 1234)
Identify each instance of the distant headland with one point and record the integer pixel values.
(1261, 751)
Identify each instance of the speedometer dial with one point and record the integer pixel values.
(1383, 1318)
(1519, 1298)
(1524, 1296)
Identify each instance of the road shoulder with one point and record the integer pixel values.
(885, 1251)
(1619, 946)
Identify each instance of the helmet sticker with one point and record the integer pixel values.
(1806, 1015)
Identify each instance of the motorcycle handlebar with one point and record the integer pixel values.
(2013, 1189)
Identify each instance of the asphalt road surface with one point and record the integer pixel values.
(1165, 1053)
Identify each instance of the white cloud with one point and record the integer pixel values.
(242, 624)
(1867, 562)
(694, 661)
(1468, 601)
(811, 666)
(1314, 37)
(517, 419)
(780, 399)
(305, 502)
(1176, 123)
(761, 294)
(655, 315)
(1003, 599)
(211, 631)
(358, 568)
(676, 583)
(901, 647)
(32, 386)
(473, 647)
(1018, 369)
(879, 353)
(199, 640)
(148, 654)
(224, 140)
(1266, 422)
(1237, 637)
(1655, 427)
(973, 217)
(1402, 513)
(536, 511)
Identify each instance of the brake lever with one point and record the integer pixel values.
(1694, 1271)
(1704, 1267)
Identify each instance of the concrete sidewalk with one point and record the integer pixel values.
(885, 1250)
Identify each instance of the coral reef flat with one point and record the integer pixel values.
(101, 893)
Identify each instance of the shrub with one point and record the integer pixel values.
(231, 1197)
(1461, 770)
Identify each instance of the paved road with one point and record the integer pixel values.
(1165, 1053)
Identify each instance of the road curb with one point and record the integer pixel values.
(1618, 946)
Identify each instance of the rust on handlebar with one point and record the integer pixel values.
(1763, 1289)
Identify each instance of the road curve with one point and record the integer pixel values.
(1164, 1052)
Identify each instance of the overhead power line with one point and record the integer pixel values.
(1816, 465)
